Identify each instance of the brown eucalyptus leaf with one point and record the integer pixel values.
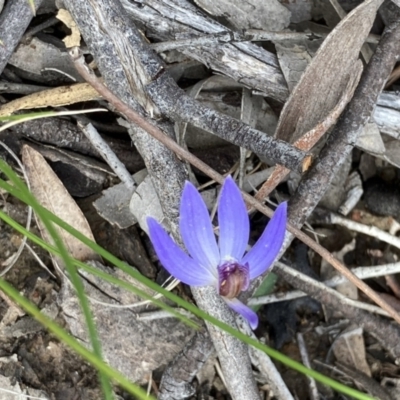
(51, 194)
(326, 77)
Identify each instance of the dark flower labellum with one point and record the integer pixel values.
(233, 278)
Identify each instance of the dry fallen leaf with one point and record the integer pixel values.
(60, 96)
(326, 77)
(349, 348)
(51, 194)
(74, 39)
(36, 56)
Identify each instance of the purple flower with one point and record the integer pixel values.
(223, 265)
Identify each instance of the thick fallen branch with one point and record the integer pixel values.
(14, 19)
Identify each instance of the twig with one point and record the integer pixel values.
(360, 272)
(232, 37)
(245, 62)
(20, 88)
(178, 106)
(108, 155)
(266, 367)
(203, 40)
(260, 35)
(314, 395)
(153, 315)
(40, 27)
(373, 231)
(354, 191)
(233, 355)
(172, 145)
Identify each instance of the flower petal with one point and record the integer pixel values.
(233, 222)
(246, 312)
(264, 252)
(196, 229)
(175, 261)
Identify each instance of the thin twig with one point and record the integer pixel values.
(266, 367)
(373, 231)
(313, 390)
(361, 272)
(232, 37)
(134, 117)
(108, 155)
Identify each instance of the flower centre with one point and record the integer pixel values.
(232, 278)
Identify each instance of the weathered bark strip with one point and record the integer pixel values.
(14, 19)
(247, 63)
(175, 383)
(66, 135)
(343, 138)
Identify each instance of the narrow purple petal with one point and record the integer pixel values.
(175, 261)
(233, 222)
(264, 252)
(246, 312)
(196, 229)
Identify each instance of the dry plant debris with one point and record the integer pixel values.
(297, 101)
